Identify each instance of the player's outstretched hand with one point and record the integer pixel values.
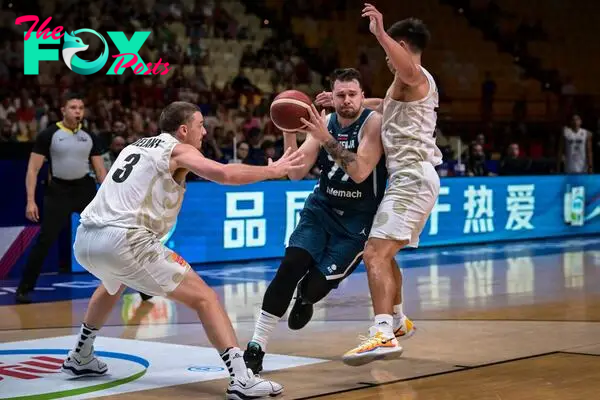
(316, 126)
(376, 20)
(324, 99)
(289, 161)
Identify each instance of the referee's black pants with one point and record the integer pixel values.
(62, 198)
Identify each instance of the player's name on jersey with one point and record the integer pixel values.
(347, 144)
(148, 142)
(353, 194)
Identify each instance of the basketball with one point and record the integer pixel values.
(287, 109)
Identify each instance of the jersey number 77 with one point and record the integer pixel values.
(334, 169)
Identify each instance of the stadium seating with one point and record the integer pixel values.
(459, 56)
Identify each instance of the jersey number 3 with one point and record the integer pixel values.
(121, 174)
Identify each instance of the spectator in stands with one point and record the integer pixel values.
(6, 135)
(255, 139)
(117, 144)
(248, 59)
(250, 122)
(242, 84)
(243, 151)
(6, 108)
(511, 164)
(268, 151)
(211, 149)
(476, 166)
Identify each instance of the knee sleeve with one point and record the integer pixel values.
(314, 286)
(294, 266)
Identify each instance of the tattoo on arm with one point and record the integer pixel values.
(340, 154)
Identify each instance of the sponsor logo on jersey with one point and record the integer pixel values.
(347, 194)
(174, 257)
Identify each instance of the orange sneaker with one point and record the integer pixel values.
(375, 347)
(406, 330)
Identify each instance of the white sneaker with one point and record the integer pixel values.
(78, 366)
(251, 387)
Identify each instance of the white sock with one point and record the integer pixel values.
(85, 341)
(385, 322)
(398, 315)
(264, 326)
(233, 358)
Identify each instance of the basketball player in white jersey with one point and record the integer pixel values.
(118, 240)
(407, 133)
(575, 148)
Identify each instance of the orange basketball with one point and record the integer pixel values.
(287, 109)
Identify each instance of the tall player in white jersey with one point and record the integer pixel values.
(118, 239)
(407, 133)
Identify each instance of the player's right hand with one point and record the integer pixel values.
(289, 161)
(324, 99)
(31, 212)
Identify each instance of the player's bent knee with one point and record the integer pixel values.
(315, 286)
(372, 259)
(206, 298)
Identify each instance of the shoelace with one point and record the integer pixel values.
(369, 341)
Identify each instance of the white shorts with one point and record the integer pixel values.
(131, 257)
(407, 203)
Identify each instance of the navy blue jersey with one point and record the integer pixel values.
(335, 187)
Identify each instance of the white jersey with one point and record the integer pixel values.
(408, 128)
(139, 190)
(575, 150)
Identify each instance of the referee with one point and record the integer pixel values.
(69, 150)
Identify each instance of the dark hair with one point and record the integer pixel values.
(267, 144)
(413, 31)
(345, 75)
(70, 96)
(176, 114)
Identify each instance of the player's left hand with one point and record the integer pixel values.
(376, 20)
(316, 126)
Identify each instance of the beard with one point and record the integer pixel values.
(348, 113)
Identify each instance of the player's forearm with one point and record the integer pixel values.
(241, 174)
(347, 160)
(373, 104)
(30, 184)
(401, 60)
(290, 140)
(100, 174)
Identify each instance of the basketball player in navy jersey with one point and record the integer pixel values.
(328, 242)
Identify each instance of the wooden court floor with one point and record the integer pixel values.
(524, 327)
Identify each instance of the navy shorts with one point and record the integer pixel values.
(336, 242)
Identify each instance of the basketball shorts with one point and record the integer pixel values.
(132, 257)
(336, 242)
(409, 198)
